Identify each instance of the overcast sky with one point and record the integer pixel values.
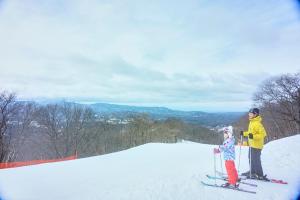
(188, 55)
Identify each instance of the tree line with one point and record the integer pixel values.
(32, 131)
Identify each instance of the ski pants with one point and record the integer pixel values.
(231, 171)
(254, 156)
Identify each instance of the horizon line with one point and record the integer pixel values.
(57, 100)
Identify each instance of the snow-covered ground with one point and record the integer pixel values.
(151, 171)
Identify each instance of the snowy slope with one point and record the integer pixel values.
(151, 171)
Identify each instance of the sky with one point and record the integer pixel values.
(187, 55)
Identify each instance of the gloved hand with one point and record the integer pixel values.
(250, 136)
(242, 133)
(216, 150)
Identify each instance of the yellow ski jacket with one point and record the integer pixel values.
(258, 131)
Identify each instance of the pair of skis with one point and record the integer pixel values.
(231, 188)
(242, 178)
(220, 186)
(225, 179)
(271, 180)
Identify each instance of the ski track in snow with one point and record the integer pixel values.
(152, 172)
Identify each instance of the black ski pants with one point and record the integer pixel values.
(254, 155)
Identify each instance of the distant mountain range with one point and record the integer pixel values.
(160, 113)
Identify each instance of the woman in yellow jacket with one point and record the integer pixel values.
(256, 135)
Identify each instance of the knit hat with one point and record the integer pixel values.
(254, 111)
(228, 131)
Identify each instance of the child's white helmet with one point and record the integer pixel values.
(229, 131)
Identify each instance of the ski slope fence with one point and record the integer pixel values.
(34, 162)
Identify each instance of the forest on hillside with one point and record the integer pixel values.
(32, 131)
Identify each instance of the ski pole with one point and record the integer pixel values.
(250, 156)
(215, 168)
(221, 163)
(241, 140)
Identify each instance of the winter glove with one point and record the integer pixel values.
(250, 136)
(216, 150)
(242, 133)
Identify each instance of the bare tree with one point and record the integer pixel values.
(23, 127)
(280, 99)
(49, 116)
(77, 121)
(65, 125)
(139, 129)
(8, 113)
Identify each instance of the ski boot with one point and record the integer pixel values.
(228, 185)
(264, 178)
(246, 174)
(259, 177)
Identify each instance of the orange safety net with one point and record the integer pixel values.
(33, 162)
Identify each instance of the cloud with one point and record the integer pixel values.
(183, 54)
